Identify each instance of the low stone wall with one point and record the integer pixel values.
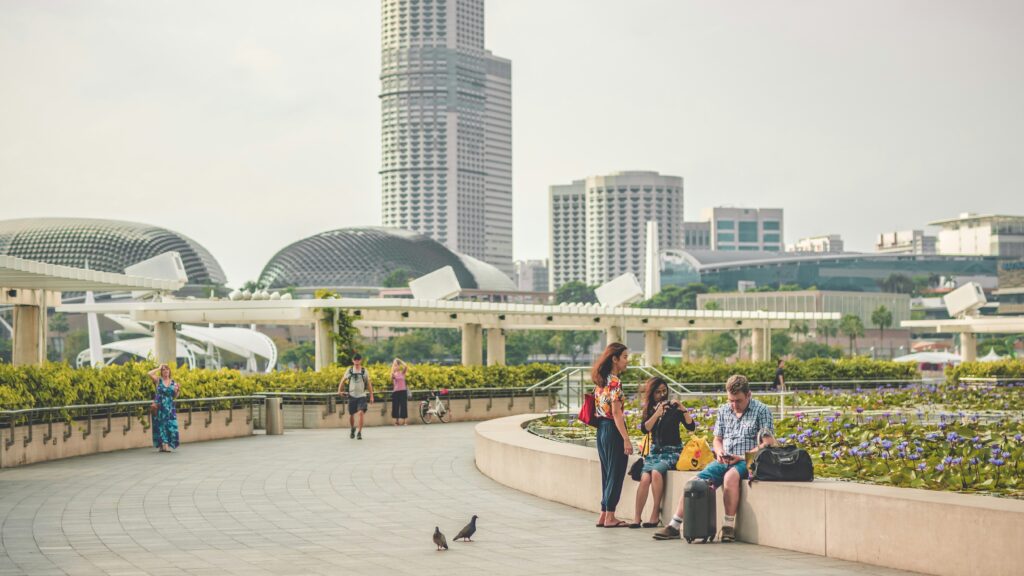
(931, 532)
(66, 439)
(379, 414)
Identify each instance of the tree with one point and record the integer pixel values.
(712, 305)
(253, 286)
(720, 345)
(575, 292)
(676, 297)
(852, 327)
(800, 329)
(397, 278)
(573, 342)
(882, 318)
(302, 357)
(418, 346)
(828, 328)
(59, 324)
(344, 334)
(897, 283)
(781, 343)
(808, 350)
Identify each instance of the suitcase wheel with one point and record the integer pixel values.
(705, 541)
(689, 540)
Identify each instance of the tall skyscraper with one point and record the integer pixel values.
(599, 225)
(446, 128)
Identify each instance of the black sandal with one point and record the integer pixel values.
(651, 524)
(634, 525)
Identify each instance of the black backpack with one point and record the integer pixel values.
(782, 464)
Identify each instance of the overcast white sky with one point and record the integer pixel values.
(248, 125)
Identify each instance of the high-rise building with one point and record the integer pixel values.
(446, 128)
(751, 229)
(992, 235)
(829, 243)
(598, 225)
(532, 275)
(905, 242)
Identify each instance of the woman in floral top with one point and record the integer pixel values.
(613, 443)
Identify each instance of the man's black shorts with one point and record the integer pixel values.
(357, 405)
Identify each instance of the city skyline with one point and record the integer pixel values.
(269, 118)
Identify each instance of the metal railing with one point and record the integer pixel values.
(87, 413)
(991, 381)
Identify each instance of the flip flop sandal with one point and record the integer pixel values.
(651, 524)
(620, 524)
(634, 525)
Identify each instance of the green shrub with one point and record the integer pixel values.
(818, 369)
(1000, 369)
(60, 385)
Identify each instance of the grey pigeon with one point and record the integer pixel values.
(467, 533)
(439, 539)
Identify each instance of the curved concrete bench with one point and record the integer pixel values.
(921, 530)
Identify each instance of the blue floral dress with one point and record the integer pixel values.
(165, 421)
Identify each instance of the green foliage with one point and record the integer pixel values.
(575, 292)
(397, 278)
(301, 357)
(1002, 369)
(852, 327)
(676, 297)
(828, 329)
(782, 343)
(897, 283)
(808, 350)
(60, 385)
(817, 369)
(344, 334)
(881, 317)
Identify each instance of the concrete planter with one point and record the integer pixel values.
(932, 532)
(44, 442)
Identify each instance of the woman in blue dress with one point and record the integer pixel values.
(165, 417)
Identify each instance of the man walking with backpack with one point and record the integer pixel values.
(358, 379)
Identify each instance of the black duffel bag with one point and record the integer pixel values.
(782, 464)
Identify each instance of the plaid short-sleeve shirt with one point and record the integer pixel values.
(740, 434)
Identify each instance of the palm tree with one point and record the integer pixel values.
(852, 327)
(882, 318)
(828, 328)
(801, 329)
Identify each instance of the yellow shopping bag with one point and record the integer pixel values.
(695, 455)
(645, 445)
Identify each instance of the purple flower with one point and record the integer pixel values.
(886, 444)
(824, 454)
(997, 461)
(957, 460)
(859, 410)
(922, 467)
(1017, 437)
(915, 456)
(939, 467)
(952, 437)
(831, 419)
(974, 461)
(835, 455)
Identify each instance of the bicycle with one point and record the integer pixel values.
(436, 407)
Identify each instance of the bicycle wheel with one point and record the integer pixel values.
(445, 415)
(425, 413)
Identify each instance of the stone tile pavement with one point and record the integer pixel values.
(316, 502)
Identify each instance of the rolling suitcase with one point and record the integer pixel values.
(699, 518)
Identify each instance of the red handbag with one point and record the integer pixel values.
(587, 415)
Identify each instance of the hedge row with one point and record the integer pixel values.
(816, 369)
(60, 385)
(999, 369)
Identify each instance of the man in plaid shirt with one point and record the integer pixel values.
(743, 424)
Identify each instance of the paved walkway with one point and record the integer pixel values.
(316, 502)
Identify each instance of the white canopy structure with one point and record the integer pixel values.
(991, 356)
(929, 358)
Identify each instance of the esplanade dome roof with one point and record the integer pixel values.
(364, 257)
(104, 245)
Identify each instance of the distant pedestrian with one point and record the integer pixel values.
(399, 392)
(357, 377)
(780, 376)
(164, 416)
(613, 443)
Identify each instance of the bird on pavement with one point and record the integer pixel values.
(439, 539)
(467, 533)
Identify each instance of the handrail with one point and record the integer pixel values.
(127, 404)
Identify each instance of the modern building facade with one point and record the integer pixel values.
(860, 304)
(108, 246)
(991, 235)
(697, 235)
(828, 244)
(446, 128)
(905, 242)
(838, 272)
(357, 262)
(532, 275)
(746, 229)
(598, 225)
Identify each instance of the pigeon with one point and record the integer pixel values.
(439, 539)
(466, 534)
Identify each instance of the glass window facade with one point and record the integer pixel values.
(748, 232)
(771, 237)
(770, 225)
(726, 225)
(726, 237)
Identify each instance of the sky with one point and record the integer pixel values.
(250, 124)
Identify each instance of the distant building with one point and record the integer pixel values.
(532, 275)
(746, 229)
(697, 235)
(446, 129)
(830, 244)
(860, 304)
(991, 235)
(598, 225)
(905, 242)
